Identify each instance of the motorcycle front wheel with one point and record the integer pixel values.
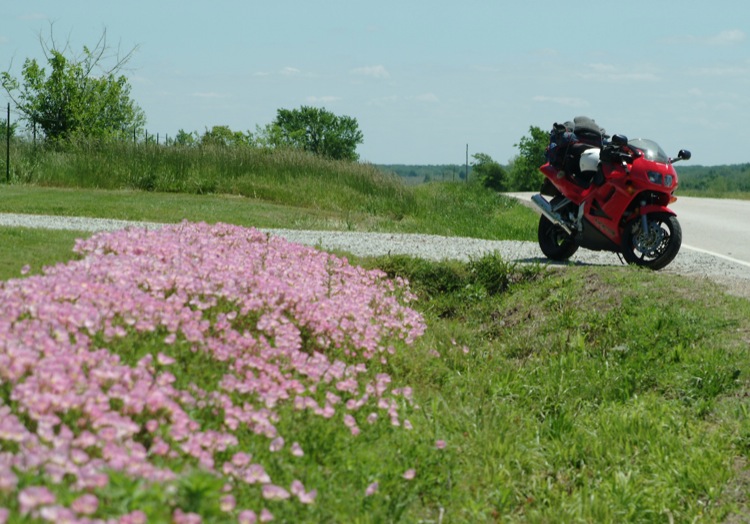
(656, 247)
(555, 242)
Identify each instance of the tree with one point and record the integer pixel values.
(186, 139)
(525, 174)
(4, 129)
(223, 136)
(318, 131)
(80, 97)
(490, 173)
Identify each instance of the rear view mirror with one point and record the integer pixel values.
(684, 154)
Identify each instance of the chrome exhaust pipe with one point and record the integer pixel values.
(545, 209)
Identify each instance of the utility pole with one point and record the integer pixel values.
(467, 164)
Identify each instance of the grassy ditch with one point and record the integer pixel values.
(583, 394)
(576, 394)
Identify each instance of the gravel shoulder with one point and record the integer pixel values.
(734, 276)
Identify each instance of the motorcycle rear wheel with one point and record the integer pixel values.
(656, 248)
(555, 242)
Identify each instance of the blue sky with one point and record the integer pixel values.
(424, 78)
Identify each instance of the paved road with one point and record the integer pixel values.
(719, 227)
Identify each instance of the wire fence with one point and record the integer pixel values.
(9, 137)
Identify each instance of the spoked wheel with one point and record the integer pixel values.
(555, 242)
(656, 247)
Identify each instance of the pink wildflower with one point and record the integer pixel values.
(4, 512)
(85, 504)
(166, 360)
(134, 517)
(297, 450)
(247, 516)
(276, 444)
(440, 444)
(298, 490)
(256, 474)
(241, 459)
(273, 492)
(409, 474)
(227, 503)
(180, 517)
(372, 489)
(33, 497)
(265, 515)
(8, 480)
(25, 269)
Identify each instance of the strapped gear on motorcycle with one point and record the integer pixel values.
(569, 142)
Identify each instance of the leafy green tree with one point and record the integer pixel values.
(223, 136)
(4, 129)
(318, 131)
(78, 96)
(525, 174)
(184, 138)
(490, 173)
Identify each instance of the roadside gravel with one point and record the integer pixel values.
(735, 277)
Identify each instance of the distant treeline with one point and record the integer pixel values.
(415, 174)
(715, 179)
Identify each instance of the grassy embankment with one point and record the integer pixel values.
(585, 394)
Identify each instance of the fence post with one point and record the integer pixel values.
(7, 147)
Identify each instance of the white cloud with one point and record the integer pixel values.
(377, 71)
(384, 101)
(728, 37)
(723, 38)
(34, 16)
(427, 97)
(209, 94)
(612, 73)
(322, 99)
(290, 71)
(716, 71)
(562, 100)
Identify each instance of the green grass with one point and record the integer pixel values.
(587, 394)
(579, 394)
(34, 248)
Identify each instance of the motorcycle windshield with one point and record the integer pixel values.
(650, 150)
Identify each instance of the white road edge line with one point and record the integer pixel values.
(718, 255)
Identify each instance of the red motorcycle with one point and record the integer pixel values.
(611, 198)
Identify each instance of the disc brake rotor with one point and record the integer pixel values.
(650, 243)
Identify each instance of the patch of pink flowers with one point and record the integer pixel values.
(286, 320)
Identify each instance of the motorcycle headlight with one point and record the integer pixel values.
(668, 180)
(655, 178)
